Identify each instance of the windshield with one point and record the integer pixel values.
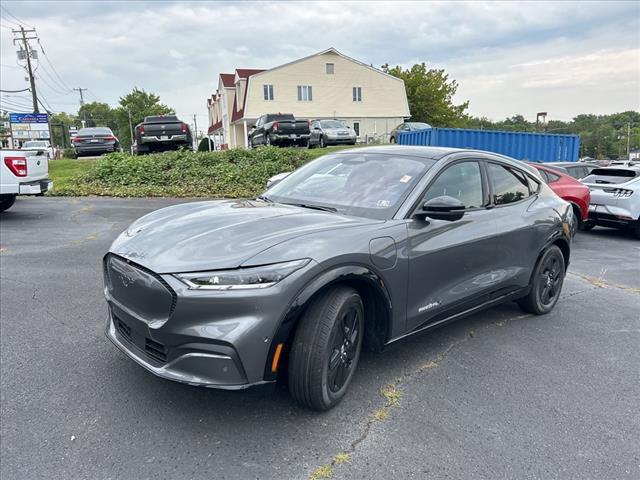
(369, 185)
(610, 176)
(95, 131)
(418, 125)
(332, 124)
(35, 144)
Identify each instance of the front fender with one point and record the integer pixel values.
(356, 275)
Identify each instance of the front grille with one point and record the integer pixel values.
(155, 349)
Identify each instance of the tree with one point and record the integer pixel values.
(139, 104)
(60, 123)
(98, 114)
(430, 95)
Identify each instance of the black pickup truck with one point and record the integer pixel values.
(160, 133)
(279, 129)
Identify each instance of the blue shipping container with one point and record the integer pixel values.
(537, 147)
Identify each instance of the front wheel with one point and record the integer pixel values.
(6, 202)
(587, 225)
(322, 143)
(392, 140)
(546, 283)
(326, 348)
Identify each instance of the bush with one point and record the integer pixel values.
(68, 153)
(230, 174)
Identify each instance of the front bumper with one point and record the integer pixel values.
(339, 139)
(217, 339)
(37, 187)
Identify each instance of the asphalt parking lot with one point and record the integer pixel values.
(497, 395)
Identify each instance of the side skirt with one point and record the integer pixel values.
(469, 311)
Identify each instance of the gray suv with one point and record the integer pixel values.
(361, 247)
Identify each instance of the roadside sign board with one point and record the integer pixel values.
(29, 126)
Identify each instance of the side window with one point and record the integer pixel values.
(508, 185)
(315, 124)
(461, 181)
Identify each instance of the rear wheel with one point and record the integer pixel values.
(6, 201)
(575, 221)
(587, 225)
(322, 142)
(326, 349)
(267, 139)
(392, 140)
(546, 283)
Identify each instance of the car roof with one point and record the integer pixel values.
(434, 153)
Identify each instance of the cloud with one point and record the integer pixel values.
(564, 57)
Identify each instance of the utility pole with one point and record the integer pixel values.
(80, 89)
(26, 54)
(195, 124)
(628, 140)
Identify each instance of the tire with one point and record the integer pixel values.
(267, 140)
(636, 230)
(322, 143)
(575, 221)
(392, 140)
(587, 225)
(322, 359)
(6, 202)
(546, 283)
(304, 144)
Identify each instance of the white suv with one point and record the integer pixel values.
(615, 198)
(22, 172)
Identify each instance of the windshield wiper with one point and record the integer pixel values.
(314, 207)
(264, 198)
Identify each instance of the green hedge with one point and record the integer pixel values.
(230, 174)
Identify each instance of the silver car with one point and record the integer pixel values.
(615, 199)
(331, 132)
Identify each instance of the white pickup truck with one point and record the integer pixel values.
(22, 172)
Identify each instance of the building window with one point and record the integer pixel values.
(357, 94)
(330, 67)
(268, 92)
(305, 93)
(356, 128)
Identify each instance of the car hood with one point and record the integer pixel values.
(217, 235)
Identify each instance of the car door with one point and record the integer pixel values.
(452, 264)
(520, 225)
(314, 137)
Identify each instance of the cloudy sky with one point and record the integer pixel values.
(561, 57)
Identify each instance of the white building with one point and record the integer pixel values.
(324, 85)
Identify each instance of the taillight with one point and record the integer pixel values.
(76, 139)
(619, 192)
(141, 128)
(275, 126)
(183, 127)
(110, 138)
(309, 124)
(17, 165)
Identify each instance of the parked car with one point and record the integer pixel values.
(22, 172)
(363, 246)
(161, 133)
(569, 189)
(406, 127)
(577, 170)
(280, 129)
(615, 198)
(37, 145)
(331, 132)
(94, 141)
(624, 163)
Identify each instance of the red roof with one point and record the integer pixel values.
(214, 127)
(247, 72)
(228, 79)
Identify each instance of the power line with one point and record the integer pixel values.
(20, 22)
(46, 57)
(14, 91)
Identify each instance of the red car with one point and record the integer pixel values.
(569, 189)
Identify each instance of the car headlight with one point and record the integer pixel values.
(241, 278)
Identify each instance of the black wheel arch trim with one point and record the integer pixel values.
(350, 274)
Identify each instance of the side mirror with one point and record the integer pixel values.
(316, 128)
(442, 208)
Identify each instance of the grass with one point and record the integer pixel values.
(234, 173)
(65, 172)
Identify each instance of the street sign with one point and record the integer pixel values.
(29, 126)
